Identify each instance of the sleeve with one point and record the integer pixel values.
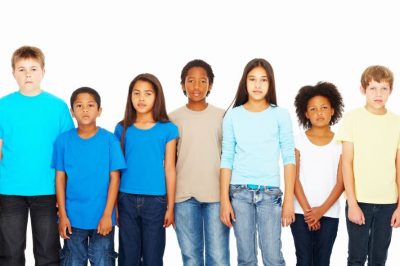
(66, 122)
(118, 131)
(345, 132)
(228, 142)
(58, 154)
(117, 160)
(173, 132)
(286, 142)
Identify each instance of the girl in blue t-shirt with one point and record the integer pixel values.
(147, 190)
(255, 132)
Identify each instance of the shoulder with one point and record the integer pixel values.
(177, 112)
(216, 110)
(67, 135)
(51, 97)
(168, 125)
(355, 113)
(9, 98)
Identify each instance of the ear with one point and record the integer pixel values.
(362, 90)
(306, 114)
(100, 110)
(183, 89)
(72, 112)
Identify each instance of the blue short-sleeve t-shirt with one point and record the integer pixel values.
(87, 163)
(29, 125)
(144, 154)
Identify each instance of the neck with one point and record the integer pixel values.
(33, 92)
(87, 131)
(144, 118)
(197, 106)
(319, 131)
(380, 111)
(256, 106)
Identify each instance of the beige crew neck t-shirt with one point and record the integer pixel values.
(198, 153)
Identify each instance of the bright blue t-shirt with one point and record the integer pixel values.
(144, 154)
(87, 163)
(29, 125)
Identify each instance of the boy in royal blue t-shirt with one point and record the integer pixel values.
(91, 157)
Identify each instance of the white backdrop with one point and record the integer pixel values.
(104, 46)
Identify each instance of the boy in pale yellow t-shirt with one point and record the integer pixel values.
(370, 136)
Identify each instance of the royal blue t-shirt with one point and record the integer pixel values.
(29, 125)
(144, 154)
(87, 163)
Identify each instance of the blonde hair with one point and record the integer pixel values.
(25, 52)
(377, 73)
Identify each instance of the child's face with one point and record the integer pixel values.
(377, 94)
(143, 97)
(85, 110)
(29, 74)
(196, 84)
(257, 84)
(319, 111)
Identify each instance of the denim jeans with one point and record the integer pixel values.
(141, 231)
(259, 211)
(85, 245)
(14, 212)
(314, 248)
(372, 239)
(198, 229)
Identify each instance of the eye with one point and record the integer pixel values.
(312, 109)
(203, 81)
(251, 79)
(264, 80)
(135, 93)
(372, 88)
(34, 69)
(78, 105)
(385, 88)
(324, 107)
(91, 105)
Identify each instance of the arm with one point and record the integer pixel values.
(315, 214)
(395, 222)
(355, 213)
(63, 223)
(288, 200)
(105, 223)
(170, 175)
(1, 149)
(226, 213)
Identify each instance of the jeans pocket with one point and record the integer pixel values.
(234, 189)
(161, 199)
(274, 196)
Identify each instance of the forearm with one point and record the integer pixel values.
(112, 193)
(300, 195)
(348, 180)
(171, 186)
(60, 193)
(225, 180)
(289, 175)
(333, 197)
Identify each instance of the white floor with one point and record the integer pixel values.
(172, 255)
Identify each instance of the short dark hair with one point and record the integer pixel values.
(88, 90)
(197, 63)
(324, 89)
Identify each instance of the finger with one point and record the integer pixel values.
(362, 218)
(233, 217)
(69, 229)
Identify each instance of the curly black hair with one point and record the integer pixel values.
(325, 89)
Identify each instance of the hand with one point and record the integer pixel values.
(287, 214)
(313, 215)
(226, 213)
(169, 218)
(355, 214)
(315, 227)
(395, 222)
(105, 225)
(63, 226)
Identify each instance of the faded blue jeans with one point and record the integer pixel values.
(199, 228)
(257, 211)
(85, 245)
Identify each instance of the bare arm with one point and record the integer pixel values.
(105, 224)
(298, 188)
(226, 213)
(354, 214)
(288, 200)
(395, 222)
(63, 223)
(170, 175)
(1, 149)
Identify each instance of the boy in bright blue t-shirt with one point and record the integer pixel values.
(91, 157)
(30, 121)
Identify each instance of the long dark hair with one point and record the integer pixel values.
(159, 111)
(241, 94)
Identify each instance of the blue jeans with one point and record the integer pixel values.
(257, 210)
(85, 245)
(199, 228)
(314, 248)
(14, 212)
(372, 239)
(141, 231)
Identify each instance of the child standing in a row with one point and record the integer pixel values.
(147, 190)
(255, 132)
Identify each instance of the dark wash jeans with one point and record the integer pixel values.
(141, 231)
(372, 239)
(14, 212)
(314, 248)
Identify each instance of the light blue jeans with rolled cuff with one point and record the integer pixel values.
(257, 211)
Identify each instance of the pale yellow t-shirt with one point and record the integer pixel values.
(376, 139)
(198, 153)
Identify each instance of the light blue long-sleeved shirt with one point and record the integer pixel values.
(252, 143)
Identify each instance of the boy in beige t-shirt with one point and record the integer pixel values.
(370, 136)
(197, 206)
